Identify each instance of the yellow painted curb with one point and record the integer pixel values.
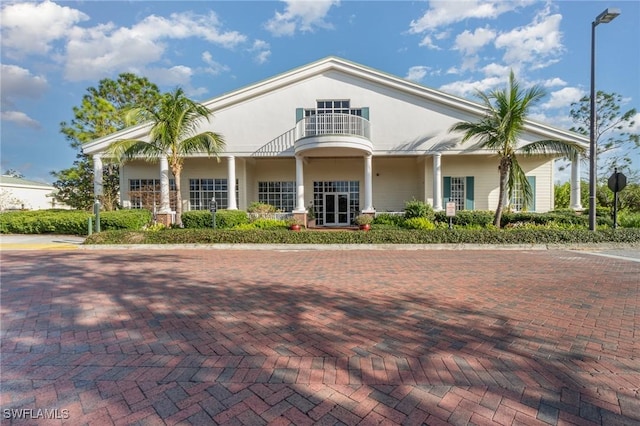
(42, 246)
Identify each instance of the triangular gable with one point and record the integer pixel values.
(349, 69)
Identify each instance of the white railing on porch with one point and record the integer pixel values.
(333, 124)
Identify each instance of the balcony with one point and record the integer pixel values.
(342, 132)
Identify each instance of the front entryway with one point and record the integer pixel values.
(336, 209)
(336, 203)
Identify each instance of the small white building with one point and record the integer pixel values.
(22, 194)
(343, 138)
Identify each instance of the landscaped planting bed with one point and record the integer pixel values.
(384, 236)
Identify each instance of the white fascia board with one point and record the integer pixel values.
(140, 131)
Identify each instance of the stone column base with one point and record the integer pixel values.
(165, 218)
(300, 218)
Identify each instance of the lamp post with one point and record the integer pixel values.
(604, 18)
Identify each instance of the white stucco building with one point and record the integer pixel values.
(340, 137)
(23, 194)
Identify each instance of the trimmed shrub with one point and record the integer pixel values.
(268, 224)
(467, 218)
(125, 219)
(70, 222)
(231, 218)
(197, 219)
(629, 220)
(257, 207)
(389, 219)
(417, 208)
(400, 236)
(419, 223)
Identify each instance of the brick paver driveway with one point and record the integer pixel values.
(326, 337)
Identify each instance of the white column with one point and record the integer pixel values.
(575, 202)
(97, 175)
(437, 181)
(300, 208)
(165, 205)
(231, 183)
(368, 190)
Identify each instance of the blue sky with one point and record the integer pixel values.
(53, 51)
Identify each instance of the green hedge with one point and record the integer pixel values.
(387, 236)
(125, 219)
(201, 219)
(69, 222)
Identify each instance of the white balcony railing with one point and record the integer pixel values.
(333, 124)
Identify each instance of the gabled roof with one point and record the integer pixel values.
(332, 63)
(6, 180)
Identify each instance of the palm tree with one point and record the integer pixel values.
(500, 129)
(173, 134)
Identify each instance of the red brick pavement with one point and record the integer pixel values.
(320, 337)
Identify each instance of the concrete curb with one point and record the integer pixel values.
(318, 247)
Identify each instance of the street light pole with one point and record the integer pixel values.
(605, 17)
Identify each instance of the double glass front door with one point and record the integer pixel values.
(336, 208)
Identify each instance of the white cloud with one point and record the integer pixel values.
(563, 98)
(538, 43)
(30, 28)
(20, 118)
(262, 51)
(468, 88)
(214, 67)
(417, 73)
(105, 49)
(495, 70)
(428, 43)
(553, 82)
(470, 42)
(443, 13)
(300, 15)
(17, 82)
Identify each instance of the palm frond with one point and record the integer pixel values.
(208, 142)
(552, 146)
(517, 177)
(127, 149)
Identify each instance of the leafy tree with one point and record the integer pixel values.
(613, 131)
(173, 135)
(103, 111)
(500, 129)
(13, 173)
(75, 185)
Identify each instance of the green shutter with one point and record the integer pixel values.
(532, 183)
(365, 113)
(469, 200)
(299, 114)
(446, 189)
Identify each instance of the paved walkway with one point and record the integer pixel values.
(320, 337)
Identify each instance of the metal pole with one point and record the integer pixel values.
(96, 210)
(592, 136)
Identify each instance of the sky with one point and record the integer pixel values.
(53, 51)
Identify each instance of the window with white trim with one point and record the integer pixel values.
(201, 191)
(333, 107)
(517, 196)
(145, 193)
(280, 194)
(458, 192)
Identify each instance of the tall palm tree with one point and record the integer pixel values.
(173, 135)
(500, 129)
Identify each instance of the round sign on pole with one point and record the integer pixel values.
(617, 181)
